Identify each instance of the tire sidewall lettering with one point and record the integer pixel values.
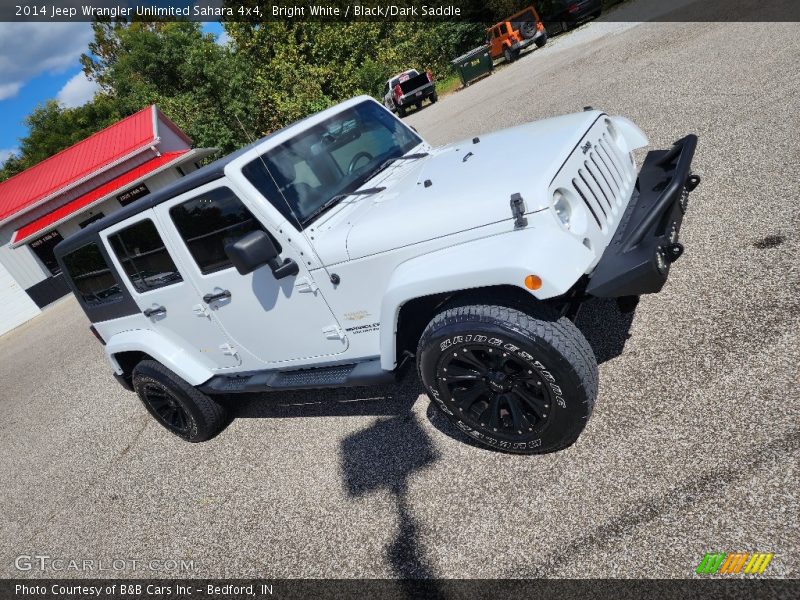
(544, 372)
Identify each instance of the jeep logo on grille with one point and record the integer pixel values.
(586, 147)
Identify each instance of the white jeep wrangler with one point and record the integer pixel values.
(329, 252)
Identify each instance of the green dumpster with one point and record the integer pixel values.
(475, 63)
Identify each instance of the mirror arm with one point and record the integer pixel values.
(287, 268)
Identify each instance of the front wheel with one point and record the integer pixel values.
(541, 41)
(176, 405)
(518, 382)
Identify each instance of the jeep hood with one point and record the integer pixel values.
(457, 187)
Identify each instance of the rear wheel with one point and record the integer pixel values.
(542, 40)
(509, 55)
(176, 405)
(401, 112)
(434, 98)
(518, 382)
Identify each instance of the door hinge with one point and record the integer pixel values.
(201, 310)
(228, 350)
(334, 332)
(305, 285)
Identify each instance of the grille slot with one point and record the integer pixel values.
(587, 203)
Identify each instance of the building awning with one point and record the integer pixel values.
(87, 159)
(99, 194)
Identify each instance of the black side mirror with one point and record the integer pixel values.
(255, 250)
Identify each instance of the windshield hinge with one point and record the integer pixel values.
(304, 285)
(228, 350)
(334, 332)
(518, 211)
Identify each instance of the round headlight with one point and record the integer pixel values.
(563, 209)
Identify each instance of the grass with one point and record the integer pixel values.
(448, 85)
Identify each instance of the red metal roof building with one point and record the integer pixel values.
(82, 183)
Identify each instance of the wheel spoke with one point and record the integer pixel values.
(181, 419)
(459, 373)
(465, 398)
(520, 422)
(468, 357)
(535, 403)
(494, 413)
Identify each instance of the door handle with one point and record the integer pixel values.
(152, 312)
(209, 298)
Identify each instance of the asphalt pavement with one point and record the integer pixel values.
(694, 442)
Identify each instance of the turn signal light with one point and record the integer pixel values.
(533, 282)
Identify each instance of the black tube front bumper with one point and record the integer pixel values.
(638, 259)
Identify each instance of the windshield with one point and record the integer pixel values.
(310, 172)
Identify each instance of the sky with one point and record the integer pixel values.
(39, 61)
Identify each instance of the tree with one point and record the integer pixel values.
(202, 86)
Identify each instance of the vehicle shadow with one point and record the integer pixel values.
(381, 457)
(605, 327)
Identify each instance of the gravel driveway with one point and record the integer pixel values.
(694, 445)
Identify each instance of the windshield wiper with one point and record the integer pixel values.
(389, 161)
(335, 199)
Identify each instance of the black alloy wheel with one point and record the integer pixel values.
(495, 390)
(166, 408)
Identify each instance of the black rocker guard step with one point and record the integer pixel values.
(628, 266)
(353, 375)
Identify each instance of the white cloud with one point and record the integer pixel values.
(6, 152)
(77, 91)
(30, 49)
(9, 90)
(223, 38)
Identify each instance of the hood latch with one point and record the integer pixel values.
(518, 211)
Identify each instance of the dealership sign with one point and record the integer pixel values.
(132, 194)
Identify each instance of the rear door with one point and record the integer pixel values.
(163, 292)
(273, 320)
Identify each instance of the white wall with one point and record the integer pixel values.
(21, 263)
(17, 305)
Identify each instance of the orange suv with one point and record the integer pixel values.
(508, 38)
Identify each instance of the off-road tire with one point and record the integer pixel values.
(401, 112)
(508, 54)
(532, 352)
(203, 416)
(541, 41)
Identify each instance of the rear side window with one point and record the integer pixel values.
(92, 276)
(207, 223)
(144, 257)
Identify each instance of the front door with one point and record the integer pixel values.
(273, 320)
(164, 294)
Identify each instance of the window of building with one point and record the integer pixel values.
(92, 276)
(207, 223)
(144, 257)
(43, 248)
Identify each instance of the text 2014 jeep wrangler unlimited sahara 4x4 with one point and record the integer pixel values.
(329, 251)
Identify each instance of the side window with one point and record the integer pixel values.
(144, 257)
(207, 223)
(92, 276)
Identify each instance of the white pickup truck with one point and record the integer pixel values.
(333, 251)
